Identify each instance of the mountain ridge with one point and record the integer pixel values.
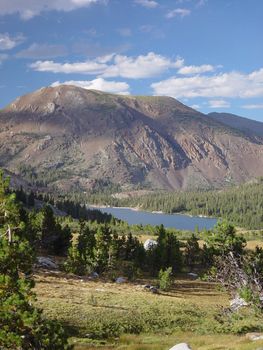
(70, 138)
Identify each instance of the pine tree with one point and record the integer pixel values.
(101, 249)
(22, 326)
(192, 251)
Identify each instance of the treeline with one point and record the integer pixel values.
(101, 249)
(70, 207)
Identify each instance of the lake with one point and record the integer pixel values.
(179, 221)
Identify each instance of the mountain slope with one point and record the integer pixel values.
(72, 138)
(252, 127)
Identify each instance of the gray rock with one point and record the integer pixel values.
(94, 275)
(46, 263)
(153, 290)
(150, 244)
(254, 336)
(193, 275)
(147, 286)
(237, 303)
(181, 346)
(120, 280)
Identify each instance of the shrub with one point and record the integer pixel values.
(165, 278)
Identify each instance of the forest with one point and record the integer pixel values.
(242, 205)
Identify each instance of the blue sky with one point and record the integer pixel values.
(206, 53)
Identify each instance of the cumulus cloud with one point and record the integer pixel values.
(142, 66)
(147, 3)
(88, 67)
(218, 104)
(28, 9)
(116, 87)
(233, 84)
(8, 42)
(253, 106)
(188, 70)
(42, 51)
(179, 12)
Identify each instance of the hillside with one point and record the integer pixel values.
(72, 138)
(252, 127)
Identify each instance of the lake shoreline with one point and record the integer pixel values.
(139, 216)
(103, 206)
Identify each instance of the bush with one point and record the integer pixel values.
(165, 278)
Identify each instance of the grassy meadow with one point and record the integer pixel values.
(105, 315)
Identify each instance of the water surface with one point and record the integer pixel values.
(179, 221)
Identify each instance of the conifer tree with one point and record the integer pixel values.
(22, 326)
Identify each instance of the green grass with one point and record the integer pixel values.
(165, 342)
(125, 316)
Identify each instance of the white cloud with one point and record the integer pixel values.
(218, 104)
(42, 51)
(28, 9)
(101, 84)
(233, 84)
(188, 70)
(253, 106)
(88, 67)
(7, 42)
(195, 106)
(143, 66)
(147, 3)
(179, 12)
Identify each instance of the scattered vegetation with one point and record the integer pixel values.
(101, 310)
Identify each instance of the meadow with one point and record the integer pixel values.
(104, 315)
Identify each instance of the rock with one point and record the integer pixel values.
(254, 336)
(147, 286)
(181, 346)
(237, 303)
(94, 275)
(120, 280)
(153, 290)
(46, 263)
(193, 275)
(150, 244)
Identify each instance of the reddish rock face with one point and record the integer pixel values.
(73, 138)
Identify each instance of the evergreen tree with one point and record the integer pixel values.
(223, 239)
(22, 326)
(101, 249)
(192, 251)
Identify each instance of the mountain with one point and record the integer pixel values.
(76, 139)
(251, 127)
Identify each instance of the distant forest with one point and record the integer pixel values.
(242, 205)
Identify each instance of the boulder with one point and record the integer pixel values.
(237, 303)
(147, 286)
(181, 346)
(46, 263)
(153, 290)
(150, 244)
(254, 336)
(193, 275)
(120, 280)
(94, 275)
